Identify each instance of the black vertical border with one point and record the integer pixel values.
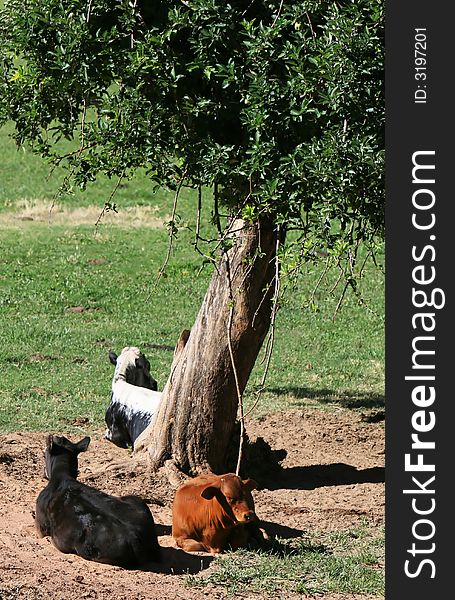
(412, 127)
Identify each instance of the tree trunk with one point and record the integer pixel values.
(197, 415)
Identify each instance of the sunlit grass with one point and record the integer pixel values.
(345, 561)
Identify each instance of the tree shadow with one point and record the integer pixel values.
(176, 561)
(277, 541)
(374, 417)
(326, 396)
(282, 550)
(164, 347)
(314, 476)
(282, 531)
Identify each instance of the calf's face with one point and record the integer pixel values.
(234, 495)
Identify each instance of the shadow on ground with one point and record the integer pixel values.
(281, 531)
(178, 562)
(346, 399)
(164, 347)
(314, 476)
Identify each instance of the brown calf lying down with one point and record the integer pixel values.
(211, 512)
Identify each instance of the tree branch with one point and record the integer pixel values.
(171, 228)
(107, 205)
(278, 13)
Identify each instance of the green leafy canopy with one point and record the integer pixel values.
(278, 104)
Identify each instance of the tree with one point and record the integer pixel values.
(278, 107)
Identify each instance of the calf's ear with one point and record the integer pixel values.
(63, 442)
(250, 484)
(83, 444)
(113, 357)
(210, 491)
(142, 363)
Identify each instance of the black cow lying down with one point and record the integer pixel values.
(82, 520)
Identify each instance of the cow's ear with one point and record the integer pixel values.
(142, 363)
(250, 484)
(63, 442)
(210, 491)
(59, 440)
(83, 444)
(113, 357)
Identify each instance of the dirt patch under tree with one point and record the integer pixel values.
(333, 477)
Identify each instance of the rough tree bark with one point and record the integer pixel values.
(197, 415)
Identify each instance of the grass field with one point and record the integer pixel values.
(56, 359)
(342, 561)
(70, 292)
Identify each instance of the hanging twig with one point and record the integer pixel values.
(198, 238)
(222, 236)
(171, 236)
(343, 293)
(271, 336)
(239, 394)
(216, 214)
(228, 230)
(84, 112)
(197, 235)
(56, 160)
(171, 228)
(335, 285)
(61, 190)
(133, 6)
(198, 219)
(231, 351)
(368, 255)
(310, 24)
(247, 8)
(345, 128)
(278, 13)
(351, 282)
(107, 205)
(319, 281)
(89, 8)
(249, 268)
(232, 357)
(264, 296)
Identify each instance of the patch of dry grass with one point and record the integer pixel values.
(41, 211)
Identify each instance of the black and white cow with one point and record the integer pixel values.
(85, 521)
(134, 399)
(135, 367)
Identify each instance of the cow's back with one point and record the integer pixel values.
(129, 412)
(98, 527)
(198, 523)
(190, 511)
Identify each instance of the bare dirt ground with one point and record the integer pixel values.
(333, 477)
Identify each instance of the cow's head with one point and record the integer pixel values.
(234, 494)
(58, 446)
(134, 367)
